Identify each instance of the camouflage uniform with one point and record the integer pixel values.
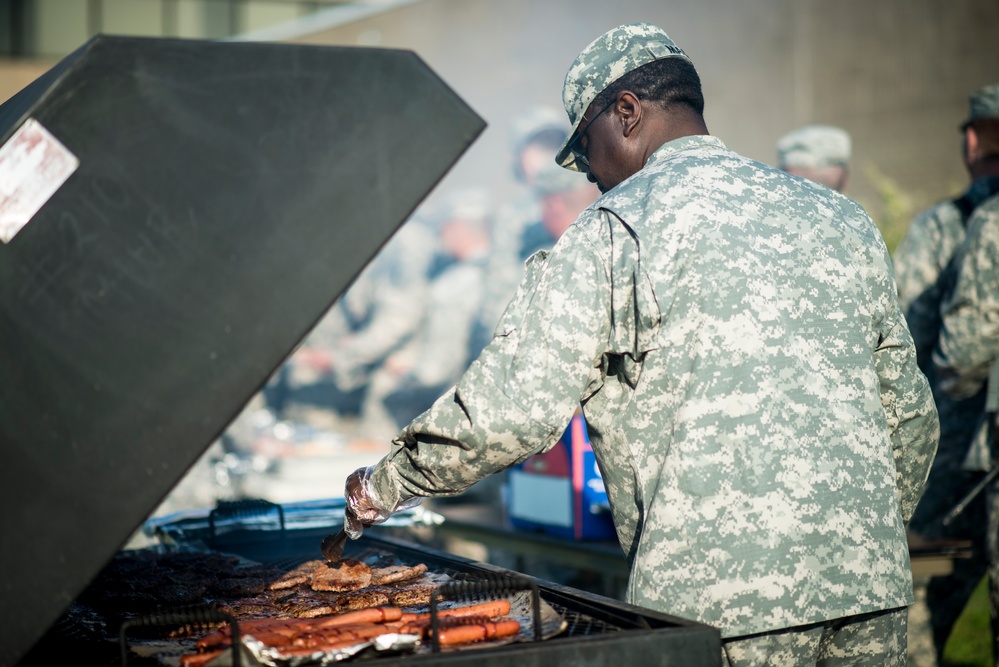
(749, 434)
(967, 350)
(920, 260)
(444, 345)
(869, 639)
(375, 317)
(748, 380)
(925, 269)
(923, 255)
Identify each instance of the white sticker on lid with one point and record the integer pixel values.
(33, 165)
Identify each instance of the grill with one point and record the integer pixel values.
(598, 630)
(216, 211)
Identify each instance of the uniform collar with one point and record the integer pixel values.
(690, 142)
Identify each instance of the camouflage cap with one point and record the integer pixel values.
(604, 61)
(814, 146)
(463, 205)
(535, 121)
(983, 103)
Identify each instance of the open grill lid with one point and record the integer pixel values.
(226, 194)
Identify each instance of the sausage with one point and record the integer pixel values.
(466, 634)
(372, 615)
(213, 639)
(491, 609)
(357, 633)
(198, 659)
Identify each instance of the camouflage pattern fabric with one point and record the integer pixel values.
(505, 267)
(444, 346)
(968, 347)
(814, 146)
(983, 103)
(923, 255)
(924, 271)
(969, 337)
(875, 639)
(748, 381)
(380, 310)
(925, 267)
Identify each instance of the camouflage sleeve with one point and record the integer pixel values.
(442, 343)
(916, 259)
(969, 337)
(913, 425)
(518, 396)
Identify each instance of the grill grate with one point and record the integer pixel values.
(597, 630)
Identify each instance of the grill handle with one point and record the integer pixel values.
(233, 510)
(188, 616)
(489, 586)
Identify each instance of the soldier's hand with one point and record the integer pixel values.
(363, 507)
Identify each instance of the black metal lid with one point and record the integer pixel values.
(226, 194)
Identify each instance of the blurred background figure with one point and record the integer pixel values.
(536, 135)
(820, 153)
(442, 346)
(925, 271)
(324, 384)
(562, 196)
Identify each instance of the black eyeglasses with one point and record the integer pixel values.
(575, 147)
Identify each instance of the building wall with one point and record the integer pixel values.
(894, 73)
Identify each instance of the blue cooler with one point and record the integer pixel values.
(561, 492)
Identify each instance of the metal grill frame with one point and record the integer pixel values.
(627, 634)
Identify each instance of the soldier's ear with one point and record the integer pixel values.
(972, 144)
(629, 111)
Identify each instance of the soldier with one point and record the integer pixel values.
(750, 386)
(820, 153)
(537, 134)
(923, 277)
(443, 346)
(965, 360)
(563, 195)
(935, 233)
(328, 381)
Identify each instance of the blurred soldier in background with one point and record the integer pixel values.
(820, 153)
(966, 362)
(562, 196)
(443, 345)
(537, 134)
(926, 268)
(327, 380)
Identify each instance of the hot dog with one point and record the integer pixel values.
(466, 634)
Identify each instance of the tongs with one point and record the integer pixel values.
(332, 546)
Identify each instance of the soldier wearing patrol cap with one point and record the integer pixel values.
(563, 195)
(536, 134)
(820, 153)
(926, 266)
(750, 386)
(966, 361)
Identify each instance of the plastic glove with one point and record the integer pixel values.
(363, 507)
